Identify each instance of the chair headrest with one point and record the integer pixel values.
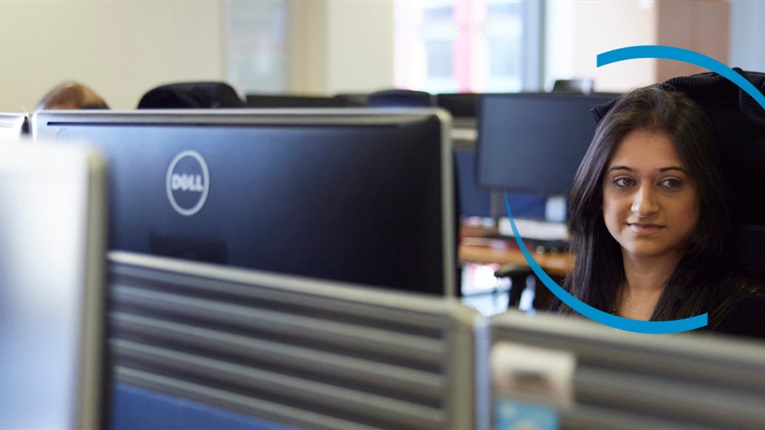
(190, 95)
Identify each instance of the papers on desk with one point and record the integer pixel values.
(537, 230)
(464, 134)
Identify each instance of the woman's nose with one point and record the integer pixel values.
(644, 202)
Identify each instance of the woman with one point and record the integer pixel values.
(649, 217)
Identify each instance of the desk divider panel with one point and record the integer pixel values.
(294, 351)
(632, 381)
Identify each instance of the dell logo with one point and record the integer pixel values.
(188, 183)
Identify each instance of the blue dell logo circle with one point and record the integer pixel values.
(188, 183)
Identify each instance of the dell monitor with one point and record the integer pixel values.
(533, 142)
(11, 124)
(356, 196)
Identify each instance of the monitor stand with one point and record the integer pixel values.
(555, 209)
(552, 228)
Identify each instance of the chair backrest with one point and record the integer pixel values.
(400, 98)
(191, 95)
(575, 86)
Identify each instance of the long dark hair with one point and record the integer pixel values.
(599, 271)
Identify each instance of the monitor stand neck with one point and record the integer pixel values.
(556, 208)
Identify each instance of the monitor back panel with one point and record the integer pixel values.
(52, 248)
(351, 197)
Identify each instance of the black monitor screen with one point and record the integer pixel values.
(460, 105)
(362, 197)
(534, 142)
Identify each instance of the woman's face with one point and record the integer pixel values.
(650, 201)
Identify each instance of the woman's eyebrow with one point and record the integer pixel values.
(661, 170)
(666, 169)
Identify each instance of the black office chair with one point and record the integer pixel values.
(573, 86)
(191, 95)
(400, 98)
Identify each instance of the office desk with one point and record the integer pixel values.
(473, 249)
(556, 265)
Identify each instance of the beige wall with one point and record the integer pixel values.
(119, 48)
(360, 46)
(342, 46)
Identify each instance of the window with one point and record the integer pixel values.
(257, 46)
(468, 46)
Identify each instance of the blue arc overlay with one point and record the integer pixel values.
(626, 324)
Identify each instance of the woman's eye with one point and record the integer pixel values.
(671, 183)
(623, 182)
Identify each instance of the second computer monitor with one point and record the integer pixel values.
(534, 142)
(363, 197)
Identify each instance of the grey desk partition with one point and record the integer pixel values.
(294, 351)
(626, 380)
(52, 247)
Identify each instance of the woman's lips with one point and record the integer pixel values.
(644, 228)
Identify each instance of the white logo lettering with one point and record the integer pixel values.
(186, 182)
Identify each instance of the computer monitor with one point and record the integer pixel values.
(460, 105)
(291, 101)
(358, 196)
(11, 124)
(52, 254)
(534, 142)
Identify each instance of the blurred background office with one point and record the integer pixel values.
(327, 47)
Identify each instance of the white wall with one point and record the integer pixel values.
(342, 46)
(360, 46)
(576, 32)
(121, 49)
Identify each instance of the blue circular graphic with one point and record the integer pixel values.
(650, 327)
